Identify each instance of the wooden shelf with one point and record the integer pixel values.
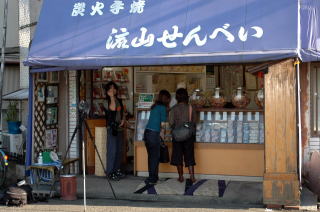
(106, 81)
(153, 72)
(216, 110)
(105, 99)
(212, 109)
(143, 109)
(226, 145)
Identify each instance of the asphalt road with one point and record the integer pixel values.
(127, 205)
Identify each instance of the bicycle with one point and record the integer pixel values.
(3, 167)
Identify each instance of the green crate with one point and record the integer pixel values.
(46, 157)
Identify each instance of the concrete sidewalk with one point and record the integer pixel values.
(236, 192)
(132, 206)
(238, 196)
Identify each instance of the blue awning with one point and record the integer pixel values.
(86, 33)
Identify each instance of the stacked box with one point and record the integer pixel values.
(230, 131)
(261, 132)
(245, 133)
(254, 132)
(207, 135)
(223, 135)
(199, 132)
(204, 127)
(223, 132)
(239, 135)
(215, 133)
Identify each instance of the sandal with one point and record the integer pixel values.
(114, 177)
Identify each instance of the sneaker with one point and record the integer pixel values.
(119, 174)
(150, 182)
(113, 176)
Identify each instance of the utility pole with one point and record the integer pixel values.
(4, 34)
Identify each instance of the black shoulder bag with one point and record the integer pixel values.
(184, 131)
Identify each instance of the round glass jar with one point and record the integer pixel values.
(259, 98)
(217, 100)
(240, 98)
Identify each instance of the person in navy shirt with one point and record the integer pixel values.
(158, 115)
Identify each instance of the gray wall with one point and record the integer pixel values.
(35, 9)
(11, 79)
(12, 24)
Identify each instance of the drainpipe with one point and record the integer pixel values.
(4, 34)
(28, 161)
(297, 65)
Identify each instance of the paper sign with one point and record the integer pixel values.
(201, 116)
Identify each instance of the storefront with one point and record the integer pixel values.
(252, 45)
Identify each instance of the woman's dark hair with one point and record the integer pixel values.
(108, 87)
(164, 98)
(115, 86)
(182, 95)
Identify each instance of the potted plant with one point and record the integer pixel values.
(12, 118)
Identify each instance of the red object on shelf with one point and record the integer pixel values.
(68, 184)
(260, 79)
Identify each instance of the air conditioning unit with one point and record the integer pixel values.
(12, 143)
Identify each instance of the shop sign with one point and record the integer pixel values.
(114, 7)
(94, 33)
(145, 100)
(118, 37)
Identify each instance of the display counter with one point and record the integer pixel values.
(228, 142)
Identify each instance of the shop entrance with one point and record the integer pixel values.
(231, 124)
(229, 102)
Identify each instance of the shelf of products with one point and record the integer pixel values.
(100, 78)
(230, 127)
(153, 79)
(244, 127)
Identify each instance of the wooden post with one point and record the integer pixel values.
(281, 184)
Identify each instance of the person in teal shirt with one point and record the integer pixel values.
(158, 115)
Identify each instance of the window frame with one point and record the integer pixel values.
(314, 101)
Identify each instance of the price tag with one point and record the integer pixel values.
(217, 116)
(224, 116)
(233, 116)
(240, 116)
(209, 116)
(201, 116)
(257, 116)
(249, 115)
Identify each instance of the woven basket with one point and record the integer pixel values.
(100, 140)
